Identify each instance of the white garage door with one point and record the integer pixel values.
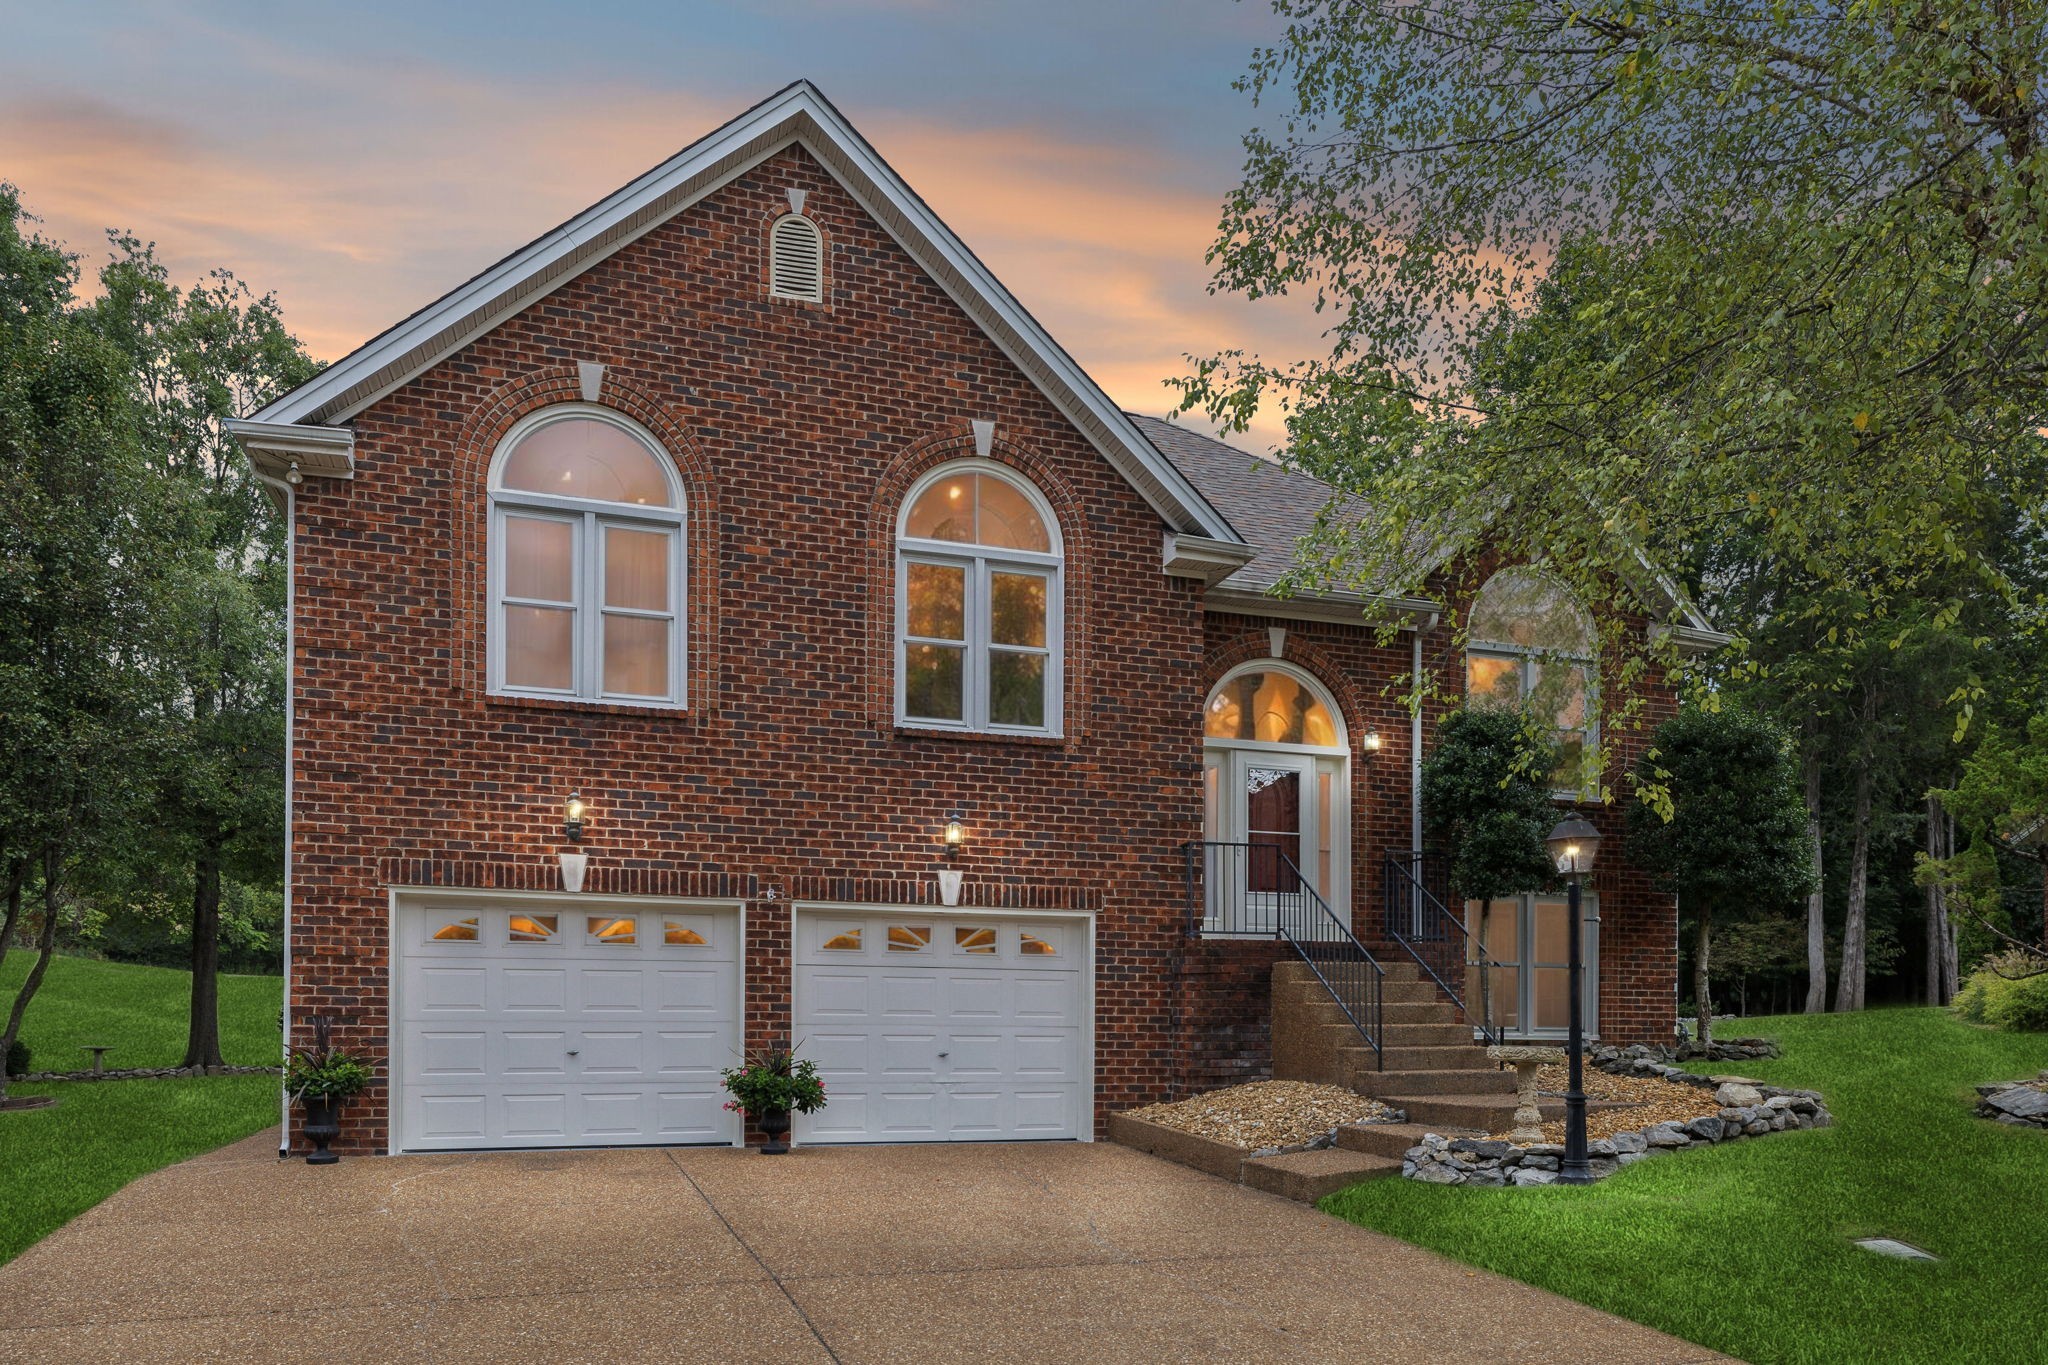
(929, 1028)
(564, 1022)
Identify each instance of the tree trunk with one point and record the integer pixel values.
(1701, 944)
(202, 1040)
(1816, 917)
(17, 878)
(1937, 910)
(46, 947)
(1855, 926)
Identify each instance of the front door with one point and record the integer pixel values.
(1269, 824)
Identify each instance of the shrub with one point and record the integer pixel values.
(17, 1058)
(2010, 991)
(775, 1080)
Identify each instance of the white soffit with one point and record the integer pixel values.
(797, 114)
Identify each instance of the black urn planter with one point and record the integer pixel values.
(775, 1123)
(322, 1126)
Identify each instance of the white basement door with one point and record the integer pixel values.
(929, 1028)
(563, 1022)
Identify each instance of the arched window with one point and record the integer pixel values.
(586, 561)
(796, 259)
(1531, 644)
(978, 620)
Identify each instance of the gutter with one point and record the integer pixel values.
(1338, 608)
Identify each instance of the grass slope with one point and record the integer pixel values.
(57, 1163)
(142, 1012)
(1746, 1248)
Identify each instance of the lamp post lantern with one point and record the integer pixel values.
(1573, 845)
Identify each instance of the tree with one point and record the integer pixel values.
(1735, 843)
(1486, 802)
(79, 554)
(1658, 275)
(196, 358)
(2001, 801)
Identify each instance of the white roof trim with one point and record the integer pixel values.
(275, 447)
(1203, 557)
(796, 114)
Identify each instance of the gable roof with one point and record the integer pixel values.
(798, 114)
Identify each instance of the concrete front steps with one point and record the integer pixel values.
(1308, 1176)
(1431, 1067)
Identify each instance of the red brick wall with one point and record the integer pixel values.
(795, 430)
(1639, 963)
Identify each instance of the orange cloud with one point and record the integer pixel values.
(376, 220)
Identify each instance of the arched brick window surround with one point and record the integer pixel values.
(897, 479)
(478, 441)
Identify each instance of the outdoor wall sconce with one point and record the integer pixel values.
(292, 476)
(1372, 742)
(955, 837)
(573, 814)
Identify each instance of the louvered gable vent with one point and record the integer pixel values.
(796, 266)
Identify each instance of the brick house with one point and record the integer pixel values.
(749, 511)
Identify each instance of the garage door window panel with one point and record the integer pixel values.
(533, 928)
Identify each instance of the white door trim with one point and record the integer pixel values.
(1085, 918)
(397, 897)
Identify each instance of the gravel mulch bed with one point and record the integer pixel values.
(1267, 1113)
(1649, 1100)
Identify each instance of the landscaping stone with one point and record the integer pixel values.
(2019, 1103)
(1439, 1160)
(147, 1073)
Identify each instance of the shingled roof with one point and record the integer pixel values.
(1271, 507)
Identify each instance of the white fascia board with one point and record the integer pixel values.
(797, 114)
(1337, 608)
(1203, 557)
(274, 447)
(1690, 639)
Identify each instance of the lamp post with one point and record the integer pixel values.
(1573, 845)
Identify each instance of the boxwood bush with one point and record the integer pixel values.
(2009, 991)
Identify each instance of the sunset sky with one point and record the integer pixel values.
(359, 160)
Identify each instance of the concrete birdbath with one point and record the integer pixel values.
(1526, 1061)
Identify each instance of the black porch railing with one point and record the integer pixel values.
(1255, 890)
(1416, 888)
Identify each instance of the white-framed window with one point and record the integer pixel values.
(979, 604)
(796, 259)
(586, 561)
(1530, 644)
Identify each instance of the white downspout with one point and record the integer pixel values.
(1414, 752)
(291, 663)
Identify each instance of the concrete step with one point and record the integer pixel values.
(1308, 1176)
(1412, 992)
(1299, 972)
(1488, 1113)
(1400, 1057)
(1320, 1008)
(1430, 1035)
(1447, 1081)
(1393, 1139)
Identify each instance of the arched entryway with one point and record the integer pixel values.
(1276, 784)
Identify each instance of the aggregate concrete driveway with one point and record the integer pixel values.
(1022, 1252)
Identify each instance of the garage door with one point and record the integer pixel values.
(929, 1028)
(564, 1022)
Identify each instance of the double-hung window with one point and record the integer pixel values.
(978, 616)
(1531, 646)
(586, 562)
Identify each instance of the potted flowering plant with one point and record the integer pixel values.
(320, 1077)
(770, 1085)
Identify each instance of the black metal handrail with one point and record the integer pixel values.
(1255, 890)
(1424, 927)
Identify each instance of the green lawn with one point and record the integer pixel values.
(56, 1163)
(1746, 1248)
